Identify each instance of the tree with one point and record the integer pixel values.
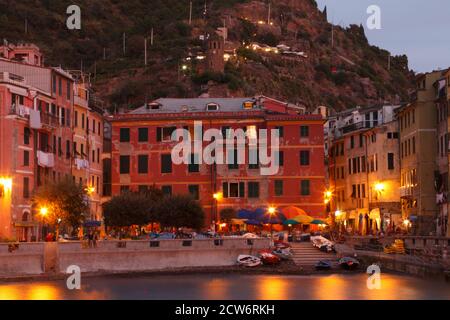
(180, 211)
(127, 209)
(227, 214)
(64, 203)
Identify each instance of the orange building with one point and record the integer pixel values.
(142, 144)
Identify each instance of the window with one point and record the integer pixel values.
(26, 187)
(76, 118)
(124, 189)
(68, 90)
(60, 86)
(26, 158)
(212, 107)
(98, 155)
(280, 131)
(166, 190)
(67, 149)
(233, 159)
(193, 165)
(279, 158)
(124, 134)
(253, 189)
(352, 142)
(304, 158)
(166, 163)
(253, 158)
(226, 132)
(124, 164)
(164, 134)
(278, 188)
(54, 83)
(361, 140)
(142, 134)
(304, 131)
(390, 161)
(194, 191)
(60, 152)
(82, 121)
(305, 188)
(142, 163)
(26, 135)
(142, 188)
(233, 190)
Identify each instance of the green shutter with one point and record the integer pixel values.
(225, 189)
(241, 189)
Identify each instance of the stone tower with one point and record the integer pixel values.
(214, 55)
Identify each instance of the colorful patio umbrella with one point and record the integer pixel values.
(318, 221)
(253, 222)
(262, 214)
(245, 214)
(292, 212)
(303, 219)
(290, 222)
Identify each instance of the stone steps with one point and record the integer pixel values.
(304, 254)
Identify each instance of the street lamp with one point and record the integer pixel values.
(217, 196)
(271, 210)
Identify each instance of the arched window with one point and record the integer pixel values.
(25, 216)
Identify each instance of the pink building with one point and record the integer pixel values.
(36, 104)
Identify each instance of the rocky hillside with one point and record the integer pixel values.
(342, 72)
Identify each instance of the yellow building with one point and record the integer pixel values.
(418, 154)
(87, 148)
(364, 170)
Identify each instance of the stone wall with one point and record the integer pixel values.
(123, 256)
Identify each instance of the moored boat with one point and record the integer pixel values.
(323, 265)
(248, 261)
(267, 257)
(284, 254)
(349, 263)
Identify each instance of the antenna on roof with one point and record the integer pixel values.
(190, 12)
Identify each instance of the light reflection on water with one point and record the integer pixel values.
(225, 287)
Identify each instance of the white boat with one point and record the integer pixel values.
(322, 243)
(248, 261)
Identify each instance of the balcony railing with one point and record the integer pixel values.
(49, 120)
(19, 110)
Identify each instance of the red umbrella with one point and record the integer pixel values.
(292, 212)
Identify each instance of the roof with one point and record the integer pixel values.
(169, 105)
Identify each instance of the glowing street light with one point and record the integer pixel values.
(379, 187)
(271, 210)
(218, 196)
(43, 211)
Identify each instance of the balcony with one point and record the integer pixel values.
(49, 120)
(78, 101)
(45, 159)
(19, 111)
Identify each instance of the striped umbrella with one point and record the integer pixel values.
(292, 212)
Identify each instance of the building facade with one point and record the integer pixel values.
(419, 157)
(364, 169)
(142, 145)
(36, 105)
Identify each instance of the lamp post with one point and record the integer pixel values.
(43, 211)
(217, 197)
(271, 212)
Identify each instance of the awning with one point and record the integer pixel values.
(18, 90)
(374, 214)
(26, 224)
(238, 221)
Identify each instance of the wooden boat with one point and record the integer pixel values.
(284, 254)
(248, 261)
(281, 245)
(323, 265)
(267, 257)
(349, 263)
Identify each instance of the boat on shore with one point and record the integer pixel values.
(248, 261)
(349, 263)
(284, 254)
(323, 265)
(267, 257)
